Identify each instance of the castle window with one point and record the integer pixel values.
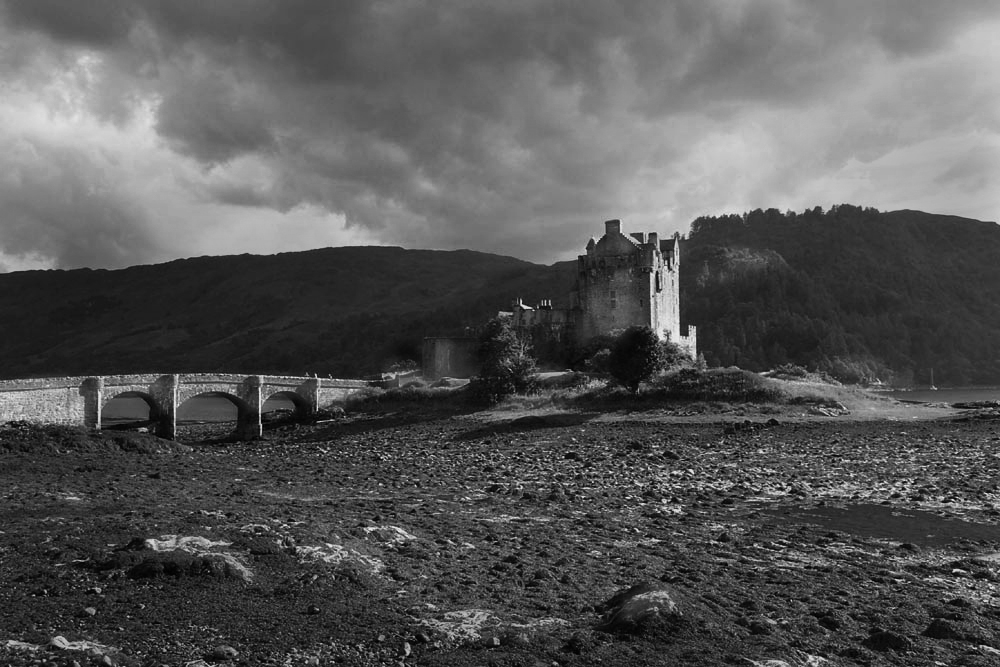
(613, 299)
(659, 281)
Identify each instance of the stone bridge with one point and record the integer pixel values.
(81, 400)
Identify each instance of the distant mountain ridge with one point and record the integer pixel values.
(339, 311)
(853, 291)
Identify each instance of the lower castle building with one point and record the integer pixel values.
(622, 281)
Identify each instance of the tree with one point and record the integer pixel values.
(506, 366)
(636, 356)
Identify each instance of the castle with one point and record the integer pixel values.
(622, 281)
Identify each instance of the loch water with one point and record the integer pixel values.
(948, 395)
(200, 409)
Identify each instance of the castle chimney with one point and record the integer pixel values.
(613, 227)
(654, 239)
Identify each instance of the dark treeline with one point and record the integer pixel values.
(852, 291)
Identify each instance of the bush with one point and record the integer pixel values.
(506, 367)
(599, 362)
(636, 356)
(565, 381)
(593, 355)
(790, 372)
(403, 366)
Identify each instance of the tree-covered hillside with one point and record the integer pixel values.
(348, 312)
(854, 291)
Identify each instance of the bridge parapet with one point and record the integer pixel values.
(32, 384)
(334, 391)
(136, 379)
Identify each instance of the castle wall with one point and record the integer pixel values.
(450, 357)
(554, 320)
(670, 304)
(688, 340)
(614, 294)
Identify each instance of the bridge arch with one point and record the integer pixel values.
(183, 396)
(109, 399)
(303, 407)
(247, 413)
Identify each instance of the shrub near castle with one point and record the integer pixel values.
(506, 367)
(636, 355)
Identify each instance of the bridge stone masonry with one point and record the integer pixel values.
(81, 400)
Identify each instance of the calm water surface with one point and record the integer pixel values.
(949, 395)
(198, 409)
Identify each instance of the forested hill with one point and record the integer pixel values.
(347, 312)
(855, 291)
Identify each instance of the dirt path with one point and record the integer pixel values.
(490, 539)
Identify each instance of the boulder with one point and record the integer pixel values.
(634, 610)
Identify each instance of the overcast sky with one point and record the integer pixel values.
(138, 131)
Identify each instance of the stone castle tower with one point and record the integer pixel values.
(622, 281)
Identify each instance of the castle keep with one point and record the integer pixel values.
(622, 281)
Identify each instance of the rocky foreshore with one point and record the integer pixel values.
(569, 539)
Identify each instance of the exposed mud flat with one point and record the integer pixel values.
(473, 541)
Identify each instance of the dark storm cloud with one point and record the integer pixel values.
(96, 23)
(213, 118)
(57, 205)
(499, 124)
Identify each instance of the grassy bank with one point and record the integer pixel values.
(718, 390)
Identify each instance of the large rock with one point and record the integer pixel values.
(636, 609)
(174, 555)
